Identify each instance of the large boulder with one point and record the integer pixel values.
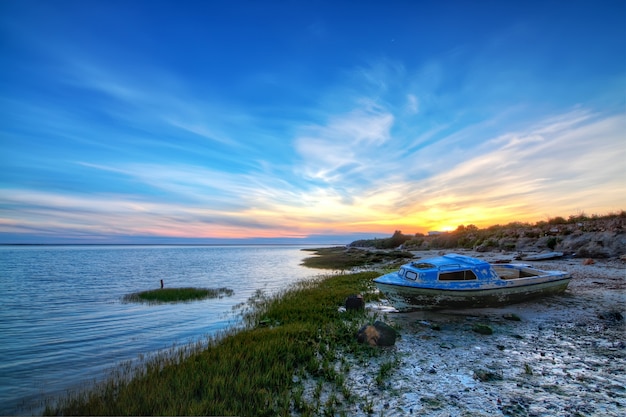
(378, 334)
(605, 244)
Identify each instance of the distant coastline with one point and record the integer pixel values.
(512, 236)
(170, 244)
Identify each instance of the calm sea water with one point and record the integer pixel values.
(63, 322)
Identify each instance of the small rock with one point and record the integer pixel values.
(378, 334)
(613, 316)
(487, 376)
(355, 302)
(511, 316)
(589, 261)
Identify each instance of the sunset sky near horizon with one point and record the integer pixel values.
(325, 121)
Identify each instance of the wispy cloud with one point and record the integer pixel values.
(344, 147)
(557, 166)
(412, 104)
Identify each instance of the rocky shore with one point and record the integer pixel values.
(583, 237)
(563, 355)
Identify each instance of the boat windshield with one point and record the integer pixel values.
(423, 265)
(466, 275)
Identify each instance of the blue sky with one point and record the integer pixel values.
(321, 121)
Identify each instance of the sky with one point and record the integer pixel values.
(305, 121)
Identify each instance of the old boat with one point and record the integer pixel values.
(543, 256)
(459, 281)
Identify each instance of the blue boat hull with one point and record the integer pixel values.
(406, 298)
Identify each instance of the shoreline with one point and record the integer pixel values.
(566, 356)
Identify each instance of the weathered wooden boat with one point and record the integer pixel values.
(459, 281)
(543, 256)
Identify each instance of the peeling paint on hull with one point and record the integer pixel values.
(406, 298)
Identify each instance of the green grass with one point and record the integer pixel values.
(385, 371)
(250, 372)
(342, 258)
(482, 329)
(528, 370)
(175, 295)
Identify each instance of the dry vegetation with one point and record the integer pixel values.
(580, 235)
(340, 258)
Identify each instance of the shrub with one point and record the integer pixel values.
(551, 243)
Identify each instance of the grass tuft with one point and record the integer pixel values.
(528, 370)
(386, 369)
(482, 329)
(176, 295)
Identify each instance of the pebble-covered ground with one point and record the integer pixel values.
(565, 356)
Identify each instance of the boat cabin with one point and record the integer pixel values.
(450, 267)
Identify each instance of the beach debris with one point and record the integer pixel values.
(544, 256)
(431, 326)
(381, 307)
(355, 302)
(378, 334)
